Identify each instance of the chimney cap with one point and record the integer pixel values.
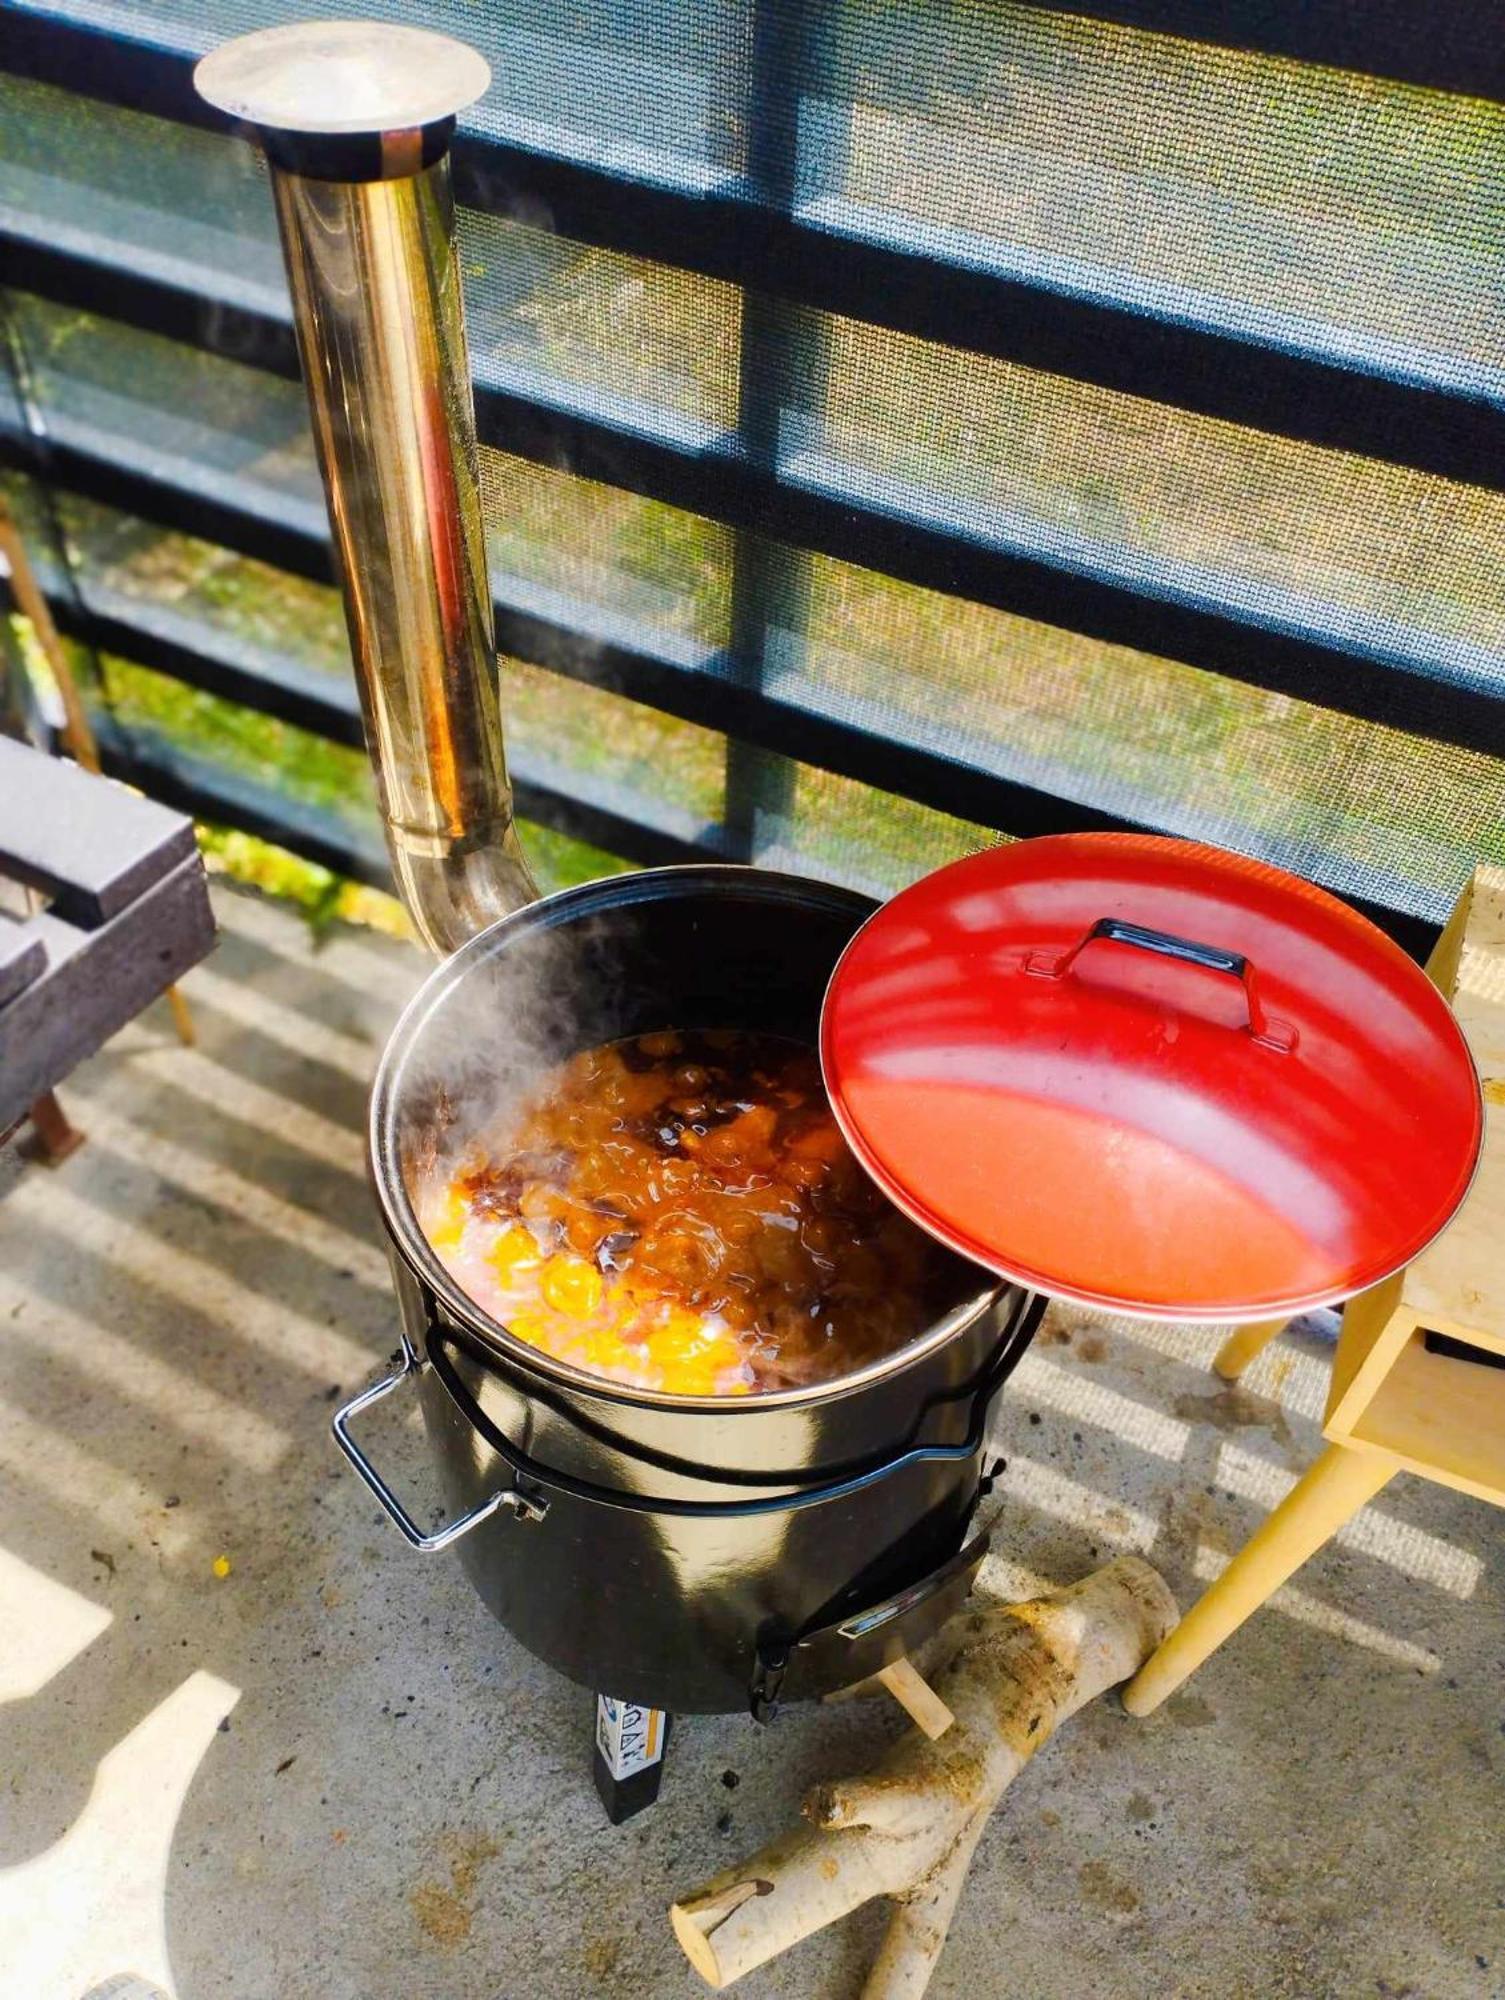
(342, 78)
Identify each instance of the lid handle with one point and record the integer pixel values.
(1270, 1034)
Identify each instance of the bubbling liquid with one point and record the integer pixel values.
(680, 1211)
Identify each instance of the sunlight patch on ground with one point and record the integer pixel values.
(40, 1456)
(1372, 1531)
(1070, 1391)
(227, 1425)
(1297, 1381)
(93, 1904)
(303, 1034)
(208, 1180)
(1011, 1582)
(382, 974)
(290, 1337)
(221, 1089)
(1308, 1610)
(45, 1625)
(1051, 1492)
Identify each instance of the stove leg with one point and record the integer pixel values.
(628, 1758)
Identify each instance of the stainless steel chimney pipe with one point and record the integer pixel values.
(356, 118)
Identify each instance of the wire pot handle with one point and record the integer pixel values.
(531, 1505)
(989, 1378)
(646, 1503)
(1269, 1033)
(526, 1506)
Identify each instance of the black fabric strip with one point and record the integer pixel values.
(1448, 47)
(696, 694)
(1123, 345)
(721, 485)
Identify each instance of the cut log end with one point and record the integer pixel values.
(695, 1944)
(696, 1919)
(907, 1829)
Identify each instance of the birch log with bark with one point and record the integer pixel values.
(1011, 1674)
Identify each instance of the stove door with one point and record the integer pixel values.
(854, 1647)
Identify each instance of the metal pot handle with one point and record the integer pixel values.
(526, 1506)
(711, 1510)
(1270, 1034)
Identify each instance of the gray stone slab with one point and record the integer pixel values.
(95, 981)
(85, 842)
(23, 957)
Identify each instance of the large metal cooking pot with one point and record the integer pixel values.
(685, 1554)
(690, 1553)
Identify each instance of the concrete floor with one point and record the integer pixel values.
(327, 1773)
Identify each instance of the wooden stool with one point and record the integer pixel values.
(1419, 1379)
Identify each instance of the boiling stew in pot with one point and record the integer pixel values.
(680, 1211)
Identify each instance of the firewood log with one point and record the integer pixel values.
(907, 1830)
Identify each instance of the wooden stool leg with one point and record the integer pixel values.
(1241, 1346)
(1312, 1512)
(182, 1019)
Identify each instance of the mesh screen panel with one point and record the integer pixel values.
(175, 202)
(202, 594)
(653, 346)
(199, 421)
(1309, 205)
(1310, 209)
(192, 730)
(614, 752)
(1393, 561)
(1396, 562)
(815, 822)
(622, 566)
(586, 741)
(654, 87)
(1306, 205)
(650, 347)
(282, 771)
(1358, 806)
(186, 418)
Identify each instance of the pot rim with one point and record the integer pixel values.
(409, 1241)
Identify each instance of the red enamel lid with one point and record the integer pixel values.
(1151, 1076)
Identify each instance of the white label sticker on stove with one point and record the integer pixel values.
(629, 1737)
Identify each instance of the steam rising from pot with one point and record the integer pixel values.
(490, 1037)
